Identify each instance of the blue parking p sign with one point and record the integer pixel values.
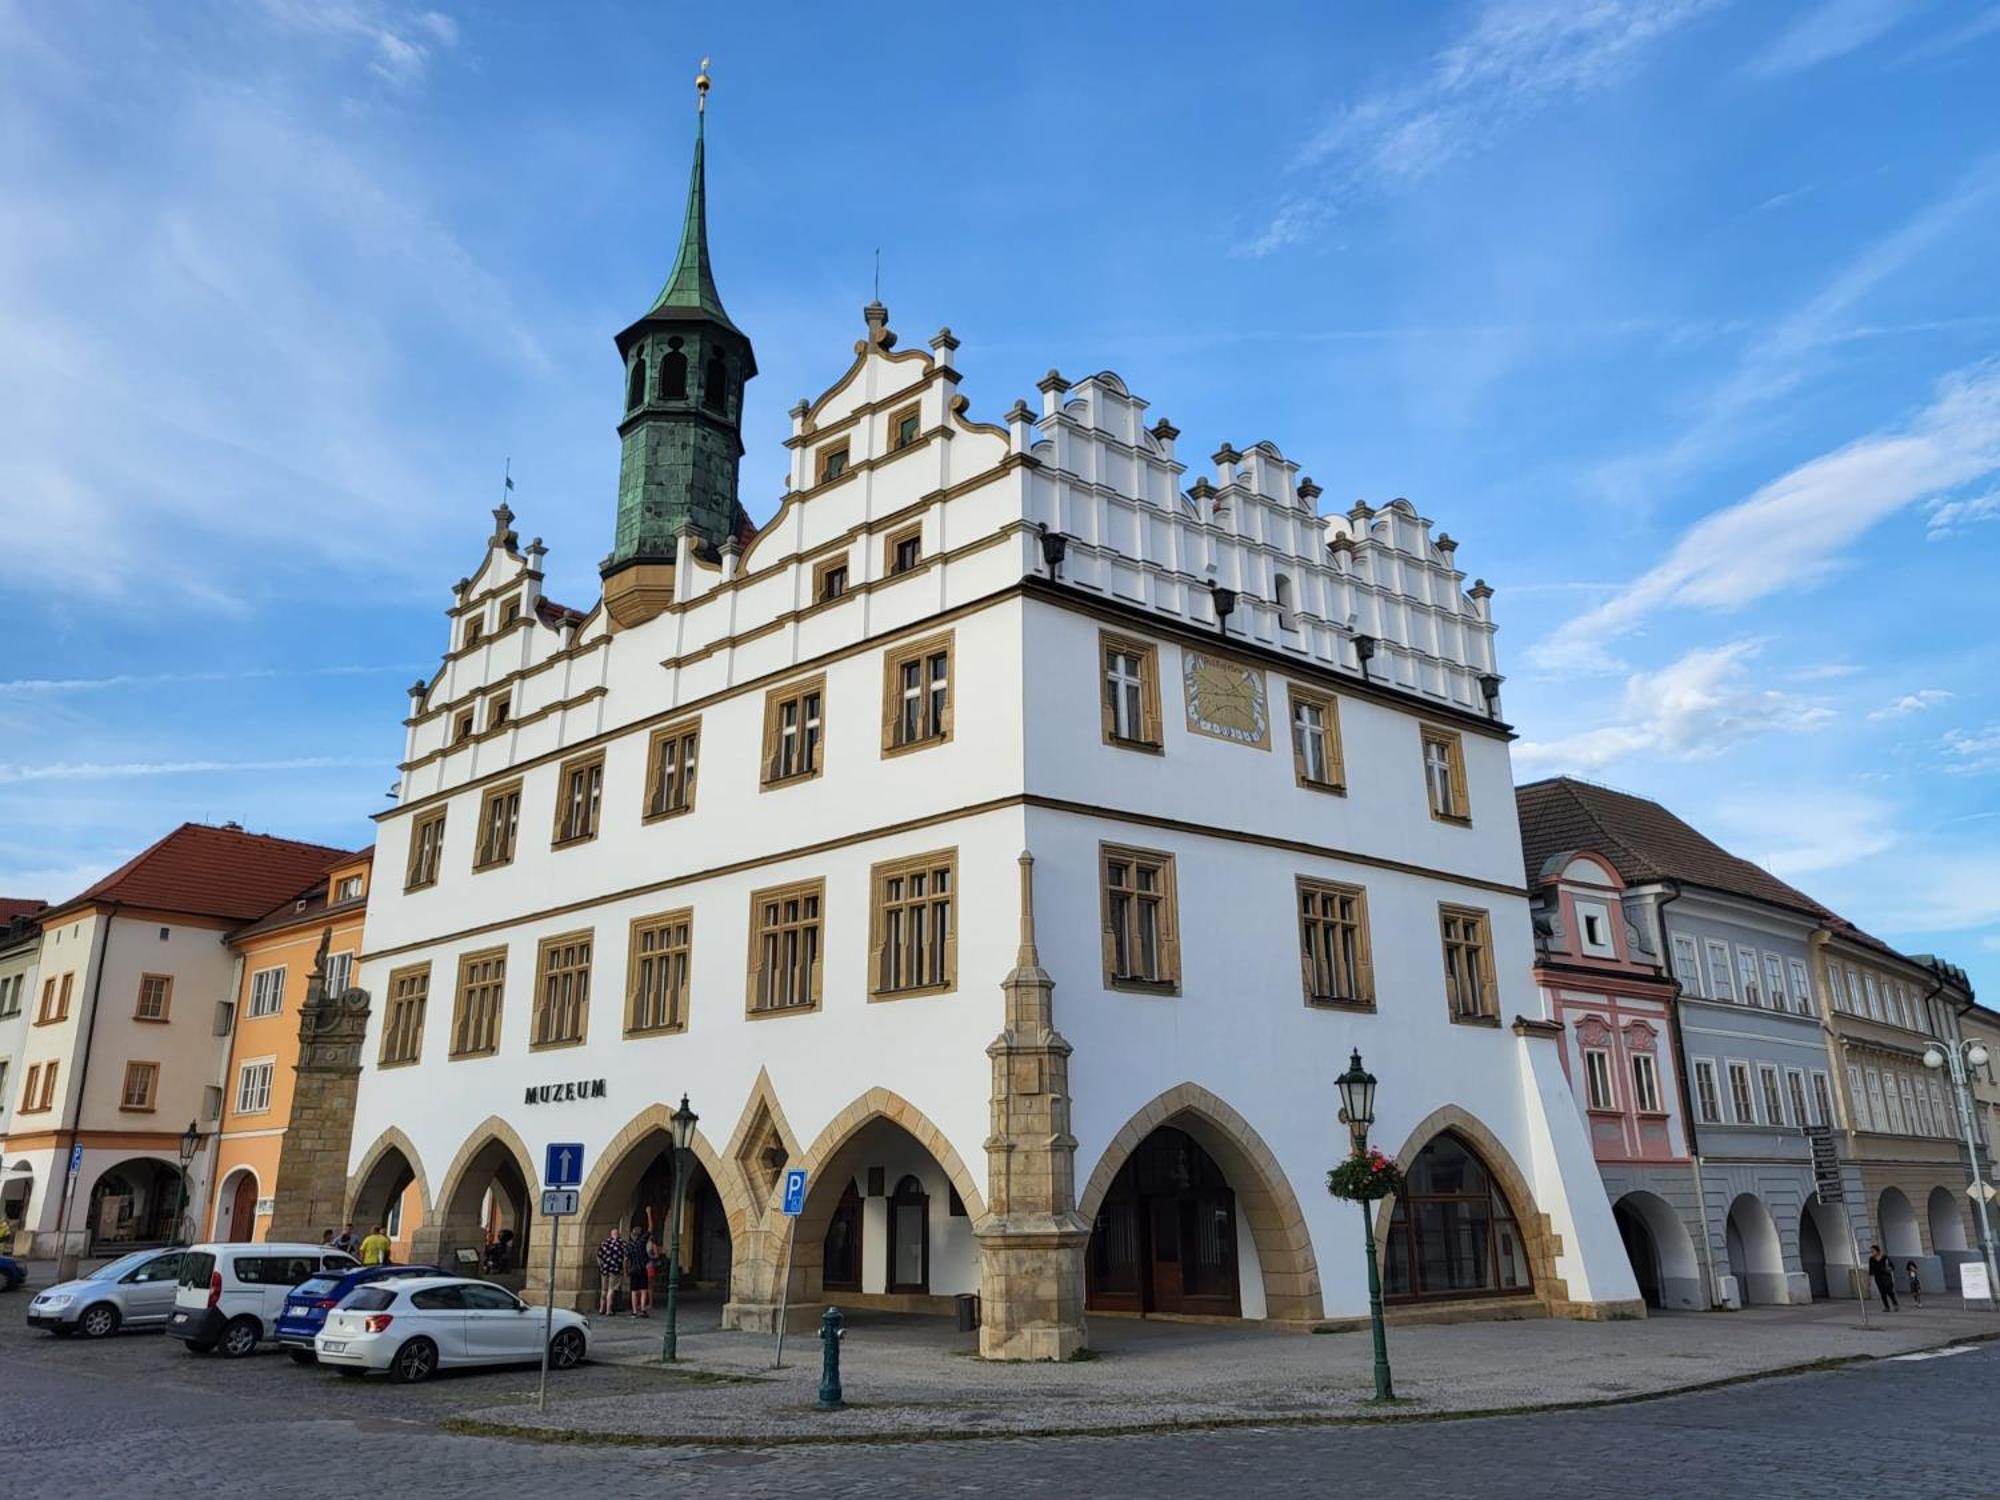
(564, 1166)
(795, 1192)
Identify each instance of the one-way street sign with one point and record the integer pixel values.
(563, 1167)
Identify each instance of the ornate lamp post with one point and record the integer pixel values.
(1959, 1056)
(190, 1143)
(1357, 1111)
(684, 1123)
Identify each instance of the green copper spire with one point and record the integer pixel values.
(685, 367)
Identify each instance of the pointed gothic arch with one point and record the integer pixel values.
(1263, 1193)
(622, 1161)
(368, 1186)
(494, 1160)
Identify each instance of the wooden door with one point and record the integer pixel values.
(243, 1209)
(1165, 1273)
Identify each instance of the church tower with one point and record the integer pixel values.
(685, 368)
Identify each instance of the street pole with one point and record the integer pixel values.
(1962, 1098)
(549, 1312)
(1384, 1391)
(785, 1290)
(670, 1341)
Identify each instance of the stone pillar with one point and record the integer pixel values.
(311, 1189)
(1031, 1245)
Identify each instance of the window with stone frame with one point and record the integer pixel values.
(831, 463)
(462, 727)
(786, 941)
(475, 628)
(579, 800)
(794, 727)
(1130, 672)
(1894, 1101)
(476, 1005)
(905, 427)
(658, 963)
(1141, 936)
(1471, 991)
(267, 992)
(1444, 775)
(903, 550)
(156, 994)
(45, 1100)
(403, 1017)
(1707, 1099)
(912, 925)
(141, 1083)
(1916, 1112)
(499, 823)
(510, 610)
(426, 850)
(830, 579)
(562, 991)
(1874, 995)
(1837, 987)
(1742, 1101)
(498, 709)
(916, 694)
(1334, 954)
(1317, 762)
(1646, 1083)
(671, 759)
(1597, 1079)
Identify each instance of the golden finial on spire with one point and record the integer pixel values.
(701, 89)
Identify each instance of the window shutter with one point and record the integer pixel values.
(1170, 933)
(951, 934)
(1298, 751)
(892, 697)
(756, 968)
(1364, 963)
(1336, 766)
(1104, 712)
(1106, 942)
(1488, 984)
(1149, 695)
(1305, 951)
(1462, 802)
(878, 927)
(819, 961)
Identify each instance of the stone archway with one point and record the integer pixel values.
(1756, 1254)
(389, 1168)
(1947, 1222)
(1896, 1222)
(493, 1161)
(1264, 1195)
(1538, 1233)
(1661, 1250)
(831, 1159)
(235, 1217)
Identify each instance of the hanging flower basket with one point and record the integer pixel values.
(1364, 1177)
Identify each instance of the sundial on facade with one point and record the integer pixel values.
(1226, 699)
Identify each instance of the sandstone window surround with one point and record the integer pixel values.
(903, 550)
(916, 695)
(1141, 920)
(498, 708)
(476, 1003)
(658, 963)
(579, 800)
(831, 462)
(562, 991)
(462, 727)
(671, 758)
(510, 610)
(1444, 775)
(1129, 670)
(786, 943)
(905, 427)
(156, 995)
(1317, 763)
(1471, 991)
(426, 850)
(913, 927)
(403, 1020)
(475, 630)
(499, 823)
(1334, 952)
(794, 727)
(136, 1094)
(830, 579)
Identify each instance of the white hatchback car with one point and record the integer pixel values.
(412, 1327)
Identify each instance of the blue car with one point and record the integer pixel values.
(12, 1273)
(311, 1300)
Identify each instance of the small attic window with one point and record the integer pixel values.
(903, 428)
(475, 631)
(462, 730)
(510, 611)
(832, 463)
(349, 889)
(498, 709)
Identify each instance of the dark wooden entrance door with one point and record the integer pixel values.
(243, 1209)
(1165, 1239)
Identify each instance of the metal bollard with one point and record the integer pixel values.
(830, 1335)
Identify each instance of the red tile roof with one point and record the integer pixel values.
(214, 872)
(19, 906)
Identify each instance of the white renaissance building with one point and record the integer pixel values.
(1011, 832)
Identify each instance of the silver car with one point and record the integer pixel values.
(134, 1291)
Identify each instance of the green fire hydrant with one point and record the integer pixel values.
(830, 1335)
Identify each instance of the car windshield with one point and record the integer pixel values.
(120, 1266)
(319, 1286)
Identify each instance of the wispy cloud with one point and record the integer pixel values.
(1912, 703)
(1972, 752)
(1693, 709)
(1947, 518)
(397, 43)
(127, 770)
(1794, 530)
(36, 687)
(1807, 831)
(1830, 29)
(1516, 58)
(1827, 671)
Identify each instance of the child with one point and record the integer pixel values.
(1916, 1287)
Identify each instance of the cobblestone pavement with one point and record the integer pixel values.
(136, 1416)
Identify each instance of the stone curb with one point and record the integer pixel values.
(475, 1427)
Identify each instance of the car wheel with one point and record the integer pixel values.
(414, 1362)
(100, 1321)
(566, 1349)
(303, 1356)
(240, 1338)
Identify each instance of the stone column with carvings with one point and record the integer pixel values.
(311, 1187)
(1031, 1245)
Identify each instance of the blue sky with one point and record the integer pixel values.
(1681, 316)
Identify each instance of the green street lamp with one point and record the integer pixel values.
(190, 1143)
(1357, 1111)
(684, 1123)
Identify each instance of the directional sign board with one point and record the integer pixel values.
(558, 1202)
(1826, 1164)
(795, 1191)
(563, 1167)
(76, 1157)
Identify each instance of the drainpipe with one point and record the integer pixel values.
(83, 1071)
(1686, 1084)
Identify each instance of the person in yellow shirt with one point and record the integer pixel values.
(375, 1248)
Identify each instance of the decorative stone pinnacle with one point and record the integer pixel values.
(1201, 489)
(1020, 411)
(419, 688)
(1480, 589)
(503, 525)
(1165, 431)
(1226, 454)
(944, 339)
(1028, 958)
(1308, 490)
(799, 409)
(1445, 542)
(536, 549)
(877, 318)
(1052, 381)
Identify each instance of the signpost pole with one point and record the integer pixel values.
(549, 1315)
(562, 1174)
(794, 1205)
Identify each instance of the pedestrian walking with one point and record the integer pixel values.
(639, 1271)
(375, 1248)
(610, 1269)
(1883, 1274)
(1916, 1286)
